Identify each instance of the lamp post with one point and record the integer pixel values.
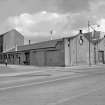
(95, 40)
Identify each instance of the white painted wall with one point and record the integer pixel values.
(67, 52)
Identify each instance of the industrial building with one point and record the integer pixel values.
(81, 49)
(10, 40)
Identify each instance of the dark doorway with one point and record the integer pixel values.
(27, 58)
(101, 56)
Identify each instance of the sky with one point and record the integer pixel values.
(35, 19)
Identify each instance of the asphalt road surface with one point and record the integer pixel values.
(86, 88)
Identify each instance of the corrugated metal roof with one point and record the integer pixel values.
(41, 45)
(46, 44)
(51, 43)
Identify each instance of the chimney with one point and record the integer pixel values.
(29, 42)
(16, 47)
(80, 31)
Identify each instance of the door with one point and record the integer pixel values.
(27, 58)
(101, 56)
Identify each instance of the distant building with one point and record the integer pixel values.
(10, 40)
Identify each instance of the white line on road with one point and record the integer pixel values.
(19, 74)
(39, 83)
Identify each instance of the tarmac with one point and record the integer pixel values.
(16, 70)
(18, 75)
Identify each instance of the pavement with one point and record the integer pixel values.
(85, 90)
(24, 85)
(16, 70)
(17, 75)
(23, 73)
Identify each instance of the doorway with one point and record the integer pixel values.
(27, 58)
(101, 57)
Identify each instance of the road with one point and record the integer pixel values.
(84, 88)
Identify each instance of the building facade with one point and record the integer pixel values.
(78, 51)
(10, 40)
(49, 53)
(100, 51)
(82, 49)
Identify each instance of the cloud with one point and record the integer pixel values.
(101, 22)
(36, 18)
(73, 6)
(95, 15)
(38, 24)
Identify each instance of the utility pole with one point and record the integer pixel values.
(89, 44)
(89, 26)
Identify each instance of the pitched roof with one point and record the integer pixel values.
(41, 45)
(13, 30)
(71, 37)
(52, 43)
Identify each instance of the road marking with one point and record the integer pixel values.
(19, 74)
(39, 83)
